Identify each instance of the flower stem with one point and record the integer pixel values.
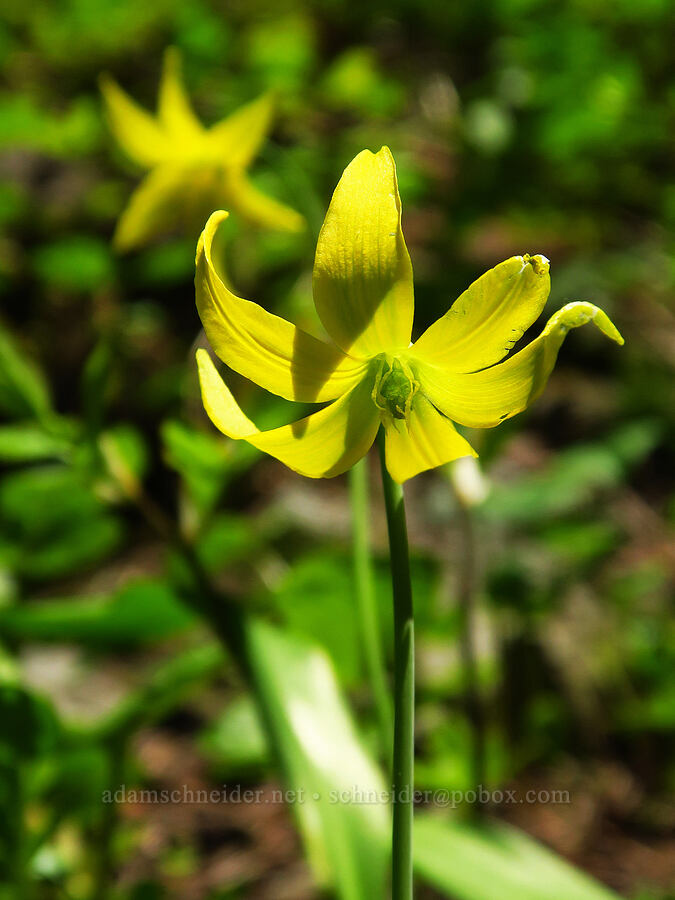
(367, 602)
(104, 863)
(404, 685)
(467, 610)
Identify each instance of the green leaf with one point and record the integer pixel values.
(95, 384)
(317, 592)
(79, 263)
(236, 742)
(29, 442)
(228, 539)
(36, 501)
(322, 755)
(52, 523)
(201, 460)
(141, 612)
(23, 390)
(574, 477)
(29, 725)
(76, 546)
(481, 862)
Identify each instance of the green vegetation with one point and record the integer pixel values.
(178, 612)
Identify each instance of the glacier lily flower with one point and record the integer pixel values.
(193, 169)
(372, 374)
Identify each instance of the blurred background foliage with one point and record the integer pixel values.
(517, 126)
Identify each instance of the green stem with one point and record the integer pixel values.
(20, 859)
(467, 611)
(367, 602)
(404, 685)
(104, 862)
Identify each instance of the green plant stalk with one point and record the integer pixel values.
(20, 838)
(467, 611)
(404, 686)
(104, 862)
(366, 601)
(234, 626)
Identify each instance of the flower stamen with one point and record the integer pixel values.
(395, 387)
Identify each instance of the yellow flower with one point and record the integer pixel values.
(192, 169)
(363, 292)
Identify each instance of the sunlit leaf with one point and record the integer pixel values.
(322, 756)
(483, 862)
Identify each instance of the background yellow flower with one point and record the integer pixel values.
(193, 169)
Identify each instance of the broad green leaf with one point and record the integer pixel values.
(491, 860)
(36, 501)
(317, 592)
(201, 459)
(51, 522)
(78, 546)
(23, 390)
(24, 123)
(235, 742)
(77, 264)
(573, 478)
(321, 755)
(141, 612)
(29, 442)
(228, 539)
(29, 725)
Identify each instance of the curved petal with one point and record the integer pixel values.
(174, 108)
(483, 399)
(263, 347)
(322, 445)
(153, 208)
(484, 323)
(363, 282)
(135, 130)
(251, 204)
(236, 140)
(429, 440)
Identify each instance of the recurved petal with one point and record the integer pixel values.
(322, 445)
(484, 323)
(135, 130)
(486, 398)
(263, 347)
(155, 206)
(429, 440)
(363, 282)
(251, 204)
(174, 108)
(236, 140)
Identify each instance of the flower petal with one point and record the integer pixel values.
(135, 130)
(236, 140)
(174, 108)
(154, 207)
(263, 347)
(251, 204)
(483, 399)
(363, 283)
(484, 323)
(322, 445)
(429, 440)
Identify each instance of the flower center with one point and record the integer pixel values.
(395, 387)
